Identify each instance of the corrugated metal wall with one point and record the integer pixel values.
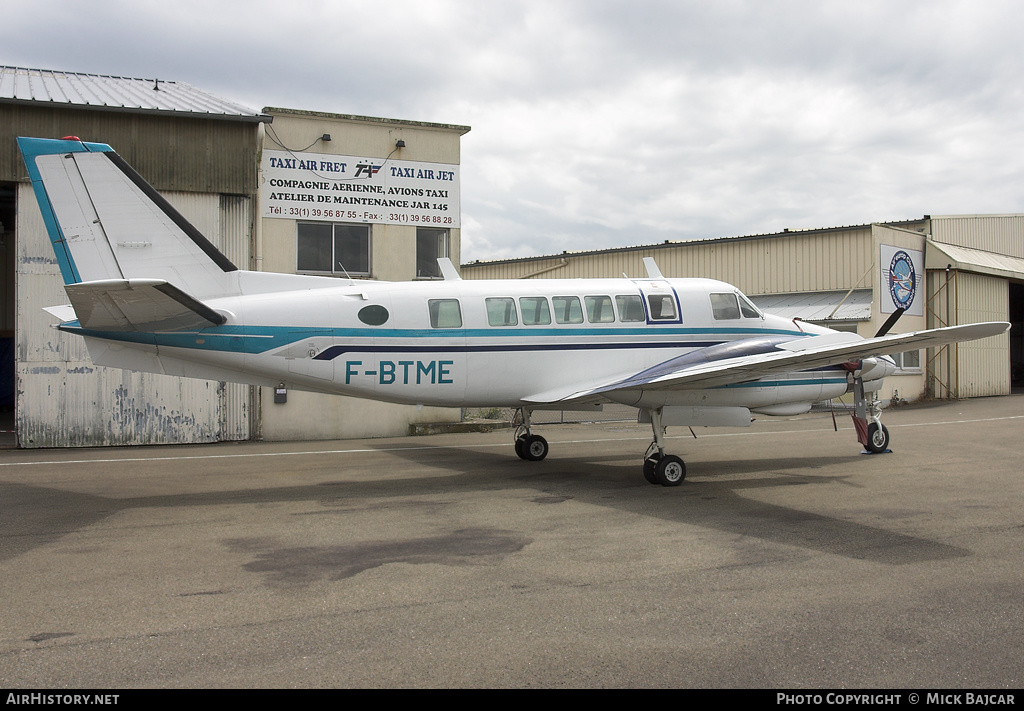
(1001, 234)
(64, 400)
(816, 261)
(170, 152)
(974, 368)
(983, 366)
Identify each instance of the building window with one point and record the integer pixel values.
(431, 243)
(908, 360)
(337, 250)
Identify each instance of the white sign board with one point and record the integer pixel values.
(902, 283)
(332, 188)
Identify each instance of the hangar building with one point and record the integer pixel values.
(237, 177)
(200, 152)
(945, 270)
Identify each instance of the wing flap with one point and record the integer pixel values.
(138, 305)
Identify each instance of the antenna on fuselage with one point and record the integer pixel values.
(652, 269)
(351, 281)
(448, 270)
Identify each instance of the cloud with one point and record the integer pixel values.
(600, 124)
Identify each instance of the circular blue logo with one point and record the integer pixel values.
(902, 280)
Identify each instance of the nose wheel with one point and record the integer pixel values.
(867, 420)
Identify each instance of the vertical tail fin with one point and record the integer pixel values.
(106, 222)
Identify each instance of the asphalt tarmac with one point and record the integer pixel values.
(787, 559)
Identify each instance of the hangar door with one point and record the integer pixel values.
(64, 400)
(974, 368)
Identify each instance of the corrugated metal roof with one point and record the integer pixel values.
(94, 91)
(938, 256)
(818, 305)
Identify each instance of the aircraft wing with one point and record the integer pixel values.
(800, 354)
(138, 305)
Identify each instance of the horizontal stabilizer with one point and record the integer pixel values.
(64, 312)
(139, 305)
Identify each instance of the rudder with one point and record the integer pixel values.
(106, 222)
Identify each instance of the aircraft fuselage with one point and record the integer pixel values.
(474, 343)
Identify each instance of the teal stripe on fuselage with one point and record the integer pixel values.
(260, 339)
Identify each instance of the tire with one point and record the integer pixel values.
(649, 466)
(520, 452)
(878, 438)
(670, 471)
(535, 448)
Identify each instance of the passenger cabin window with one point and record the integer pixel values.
(631, 308)
(535, 310)
(567, 309)
(662, 306)
(444, 313)
(724, 307)
(501, 312)
(599, 309)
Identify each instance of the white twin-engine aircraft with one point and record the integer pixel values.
(148, 292)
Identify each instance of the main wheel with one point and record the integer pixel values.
(649, 466)
(535, 448)
(670, 470)
(878, 438)
(520, 452)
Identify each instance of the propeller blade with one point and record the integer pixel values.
(890, 322)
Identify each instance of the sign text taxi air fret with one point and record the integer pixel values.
(331, 187)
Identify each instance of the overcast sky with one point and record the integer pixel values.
(601, 124)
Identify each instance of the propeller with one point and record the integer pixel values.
(890, 322)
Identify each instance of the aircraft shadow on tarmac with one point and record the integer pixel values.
(35, 516)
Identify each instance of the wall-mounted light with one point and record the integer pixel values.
(326, 138)
(399, 143)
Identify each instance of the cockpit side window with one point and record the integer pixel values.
(747, 308)
(444, 313)
(724, 307)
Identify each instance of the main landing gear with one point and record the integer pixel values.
(529, 446)
(661, 468)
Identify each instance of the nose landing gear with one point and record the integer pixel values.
(867, 419)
